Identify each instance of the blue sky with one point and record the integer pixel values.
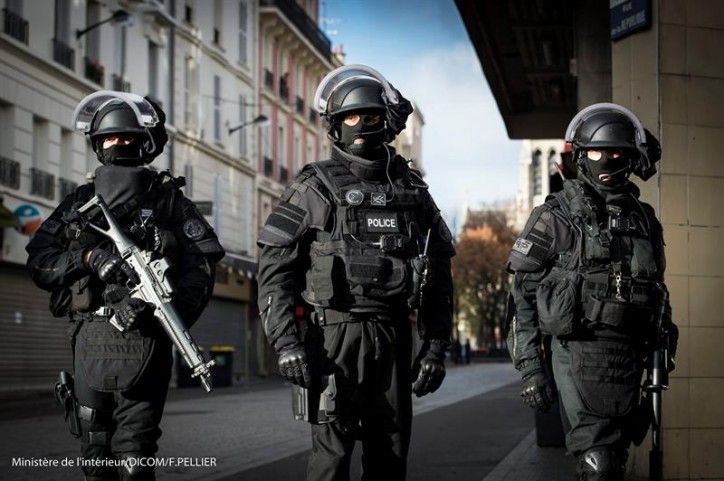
(423, 48)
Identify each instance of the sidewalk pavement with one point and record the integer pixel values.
(528, 462)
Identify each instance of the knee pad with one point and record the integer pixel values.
(95, 436)
(600, 464)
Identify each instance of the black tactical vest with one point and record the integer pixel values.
(363, 263)
(615, 259)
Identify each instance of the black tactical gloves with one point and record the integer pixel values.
(110, 267)
(537, 392)
(429, 368)
(130, 311)
(293, 365)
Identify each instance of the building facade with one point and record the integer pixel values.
(409, 143)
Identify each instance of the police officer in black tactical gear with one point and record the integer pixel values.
(115, 401)
(358, 240)
(589, 269)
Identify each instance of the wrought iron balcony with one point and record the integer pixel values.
(283, 90)
(283, 175)
(94, 71)
(9, 173)
(63, 54)
(15, 26)
(66, 187)
(120, 84)
(268, 166)
(313, 116)
(300, 105)
(297, 16)
(268, 79)
(42, 183)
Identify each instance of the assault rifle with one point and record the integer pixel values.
(153, 288)
(657, 382)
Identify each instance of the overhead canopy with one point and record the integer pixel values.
(525, 48)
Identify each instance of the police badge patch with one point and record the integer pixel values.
(354, 197)
(378, 198)
(523, 246)
(194, 229)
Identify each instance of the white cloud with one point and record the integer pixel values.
(466, 151)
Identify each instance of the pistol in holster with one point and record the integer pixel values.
(317, 405)
(66, 398)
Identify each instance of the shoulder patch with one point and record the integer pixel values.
(523, 246)
(194, 229)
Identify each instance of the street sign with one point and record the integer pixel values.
(629, 16)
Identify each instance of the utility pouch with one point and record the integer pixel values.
(376, 276)
(112, 360)
(316, 405)
(607, 375)
(66, 398)
(60, 302)
(557, 301)
(82, 297)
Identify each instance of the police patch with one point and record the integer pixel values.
(523, 246)
(194, 229)
(354, 197)
(378, 198)
(381, 222)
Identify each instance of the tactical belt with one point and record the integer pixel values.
(102, 313)
(610, 312)
(327, 317)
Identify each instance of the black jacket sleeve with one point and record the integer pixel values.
(51, 262)
(543, 237)
(284, 250)
(200, 250)
(435, 313)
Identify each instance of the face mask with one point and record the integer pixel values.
(129, 155)
(118, 184)
(607, 170)
(364, 137)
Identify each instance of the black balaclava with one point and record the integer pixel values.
(606, 174)
(369, 138)
(128, 155)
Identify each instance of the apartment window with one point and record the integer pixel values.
(297, 154)
(41, 133)
(281, 155)
(218, 21)
(14, 23)
(191, 91)
(266, 140)
(62, 51)
(242, 131)
(7, 133)
(189, 14)
(243, 30)
(153, 69)
(94, 70)
(217, 108)
(536, 173)
(120, 34)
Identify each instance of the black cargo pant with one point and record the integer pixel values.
(371, 359)
(123, 423)
(598, 384)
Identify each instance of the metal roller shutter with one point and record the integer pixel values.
(34, 345)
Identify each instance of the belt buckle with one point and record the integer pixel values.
(103, 311)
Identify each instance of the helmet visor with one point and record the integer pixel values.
(146, 115)
(340, 76)
(606, 107)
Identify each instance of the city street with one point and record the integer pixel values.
(460, 432)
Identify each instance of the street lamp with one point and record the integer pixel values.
(119, 16)
(260, 119)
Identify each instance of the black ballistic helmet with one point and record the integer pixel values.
(358, 94)
(114, 118)
(608, 125)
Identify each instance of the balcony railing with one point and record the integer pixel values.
(305, 24)
(94, 71)
(15, 26)
(9, 173)
(63, 54)
(300, 105)
(313, 116)
(66, 187)
(268, 166)
(268, 79)
(120, 84)
(283, 175)
(217, 37)
(42, 183)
